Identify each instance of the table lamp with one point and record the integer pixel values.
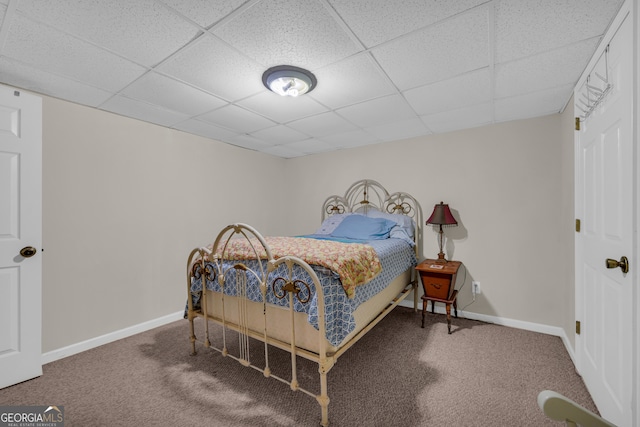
(441, 216)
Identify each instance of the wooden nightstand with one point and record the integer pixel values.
(438, 282)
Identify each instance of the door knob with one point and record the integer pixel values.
(623, 264)
(28, 251)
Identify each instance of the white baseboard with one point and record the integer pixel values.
(519, 324)
(61, 353)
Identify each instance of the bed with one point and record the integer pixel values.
(312, 295)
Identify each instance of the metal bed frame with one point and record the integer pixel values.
(360, 197)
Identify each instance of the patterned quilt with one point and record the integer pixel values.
(355, 263)
(395, 256)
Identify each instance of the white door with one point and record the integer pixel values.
(605, 206)
(20, 227)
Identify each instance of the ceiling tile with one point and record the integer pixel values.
(527, 27)
(47, 49)
(204, 12)
(550, 69)
(388, 109)
(322, 125)
(216, 68)
(376, 21)
(386, 70)
(166, 92)
(142, 30)
(468, 89)
(350, 139)
(350, 81)
(283, 151)
(282, 109)
(248, 141)
(237, 119)
(288, 32)
(398, 130)
(207, 130)
(142, 111)
(523, 106)
(35, 80)
(279, 135)
(310, 146)
(463, 118)
(453, 47)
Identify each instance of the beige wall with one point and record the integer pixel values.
(504, 183)
(125, 201)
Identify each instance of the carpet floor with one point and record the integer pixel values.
(397, 375)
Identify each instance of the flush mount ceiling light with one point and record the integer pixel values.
(287, 80)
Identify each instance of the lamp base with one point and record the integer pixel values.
(441, 259)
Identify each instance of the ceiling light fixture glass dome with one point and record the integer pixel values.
(287, 80)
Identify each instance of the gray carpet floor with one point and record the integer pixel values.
(398, 375)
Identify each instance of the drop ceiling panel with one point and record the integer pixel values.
(166, 92)
(217, 68)
(375, 22)
(283, 151)
(203, 12)
(282, 109)
(453, 47)
(279, 135)
(143, 111)
(527, 27)
(388, 109)
(50, 50)
(249, 142)
(468, 89)
(463, 118)
(309, 146)
(543, 71)
(518, 107)
(322, 125)
(142, 30)
(356, 138)
(207, 130)
(355, 79)
(238, 119)
(399, 130)
(59, 87)
(385, 72)
(288, 32)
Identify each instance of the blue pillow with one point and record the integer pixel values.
(404, 228)
(330, 224)
(363, 228)
(403, 221)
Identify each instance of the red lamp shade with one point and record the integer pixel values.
(442, 216)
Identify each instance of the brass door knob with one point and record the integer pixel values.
(623, 264)
(28, 251)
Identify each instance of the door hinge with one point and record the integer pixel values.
(577, 225)
(577, 123)
(577, 327)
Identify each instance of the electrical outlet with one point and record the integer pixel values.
(475, 288)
